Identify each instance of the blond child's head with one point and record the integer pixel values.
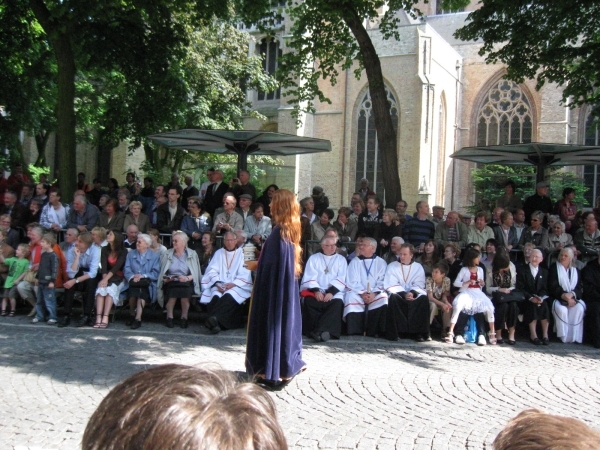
(22, 251)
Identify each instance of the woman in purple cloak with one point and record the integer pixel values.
(274, 345)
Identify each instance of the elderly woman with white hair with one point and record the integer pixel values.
(142, 268)
(565, 287)
(532, 281)
(558, 236)
(179, 277)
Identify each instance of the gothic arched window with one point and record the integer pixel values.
(368, 159)
(505, 116)
(270, 52)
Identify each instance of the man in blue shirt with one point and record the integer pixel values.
(420, 229)
(83, 261)
(82, 215)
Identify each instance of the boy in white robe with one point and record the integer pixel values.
(226, 284)
(408, 305)
(365, 302)
(322, 291)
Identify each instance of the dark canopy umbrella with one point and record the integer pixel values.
(539, 154)
(241, 143)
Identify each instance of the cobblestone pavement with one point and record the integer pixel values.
(356, 394)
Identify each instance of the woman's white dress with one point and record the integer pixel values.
(471, 300)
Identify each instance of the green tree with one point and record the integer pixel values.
(210, 93)
(328, 36)
(27, 81)
(544, 40)
(140, 40)
(489, 181)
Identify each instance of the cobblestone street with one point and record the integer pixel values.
(357, 393)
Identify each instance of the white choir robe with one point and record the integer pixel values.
(236, 274)
(394, 281)
(357, 282)
(324, 271)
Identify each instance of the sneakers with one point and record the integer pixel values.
(481, 340)
(35, 320)
(459, 339)
(51, 322)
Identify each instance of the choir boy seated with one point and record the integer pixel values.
(322, 290)
(365, 302)
(408, 304)
(226, 284)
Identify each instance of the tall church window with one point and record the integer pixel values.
(368, 158)
(270, 52)
(591, 173)
(505, 116)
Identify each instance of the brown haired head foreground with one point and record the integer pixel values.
(535, 430)
(181, 407)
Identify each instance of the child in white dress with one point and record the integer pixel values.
(471, 299)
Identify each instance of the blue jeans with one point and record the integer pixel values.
(46, 300)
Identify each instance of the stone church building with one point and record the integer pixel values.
(443, 97)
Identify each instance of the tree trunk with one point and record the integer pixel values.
(386, 136)
(66, 143)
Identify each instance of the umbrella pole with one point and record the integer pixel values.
(541, 172)
(242, 160)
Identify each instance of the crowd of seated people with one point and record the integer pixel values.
(368, 270)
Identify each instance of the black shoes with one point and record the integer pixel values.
(213, 325)
(170, 323)
(535, 341)
(321, 337)
(136, 324)
(83, 321)
(64, 321)
(184, 323)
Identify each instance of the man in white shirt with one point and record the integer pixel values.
(206, 184)
(322, 290)
(54, 215)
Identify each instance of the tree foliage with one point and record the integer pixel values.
(544, 40)
(328, 37)
(489, 181)
(27, 79)
(120, 69)
(140, 40)
(205, 89)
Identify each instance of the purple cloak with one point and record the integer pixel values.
(274, 344)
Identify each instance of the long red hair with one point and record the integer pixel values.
(285, 212)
